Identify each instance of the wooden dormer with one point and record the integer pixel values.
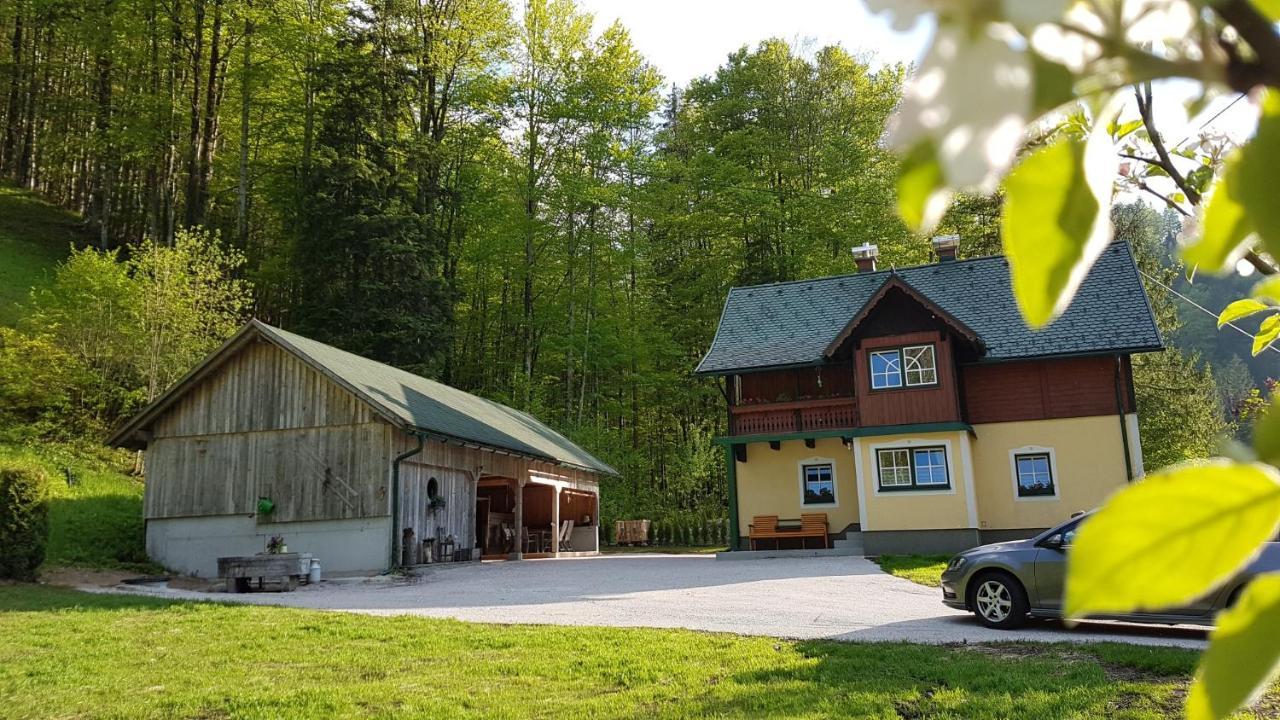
(904, 351)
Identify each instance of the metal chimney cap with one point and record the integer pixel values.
(866, 251)
(946, 241)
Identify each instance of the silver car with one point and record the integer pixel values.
(1005, 583)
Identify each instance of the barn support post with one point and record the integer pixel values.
(519, 519)
(555, 521)
(395, 501)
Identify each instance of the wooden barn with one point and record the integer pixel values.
(360, 464)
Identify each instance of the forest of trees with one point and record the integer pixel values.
(509, 200)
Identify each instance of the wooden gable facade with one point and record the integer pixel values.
(838, 393)
(263, 424)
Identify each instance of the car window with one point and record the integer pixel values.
(1068, 536)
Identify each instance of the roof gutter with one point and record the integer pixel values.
(395, 500)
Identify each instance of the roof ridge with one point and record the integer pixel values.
(888, 271)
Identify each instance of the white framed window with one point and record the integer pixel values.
(818, 482)
(910, 366)
(913, 468)
(930, 465)
(920, 364)
(886, 369)
(1035, 473)
(894, 467)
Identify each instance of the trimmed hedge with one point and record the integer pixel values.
(24, 520)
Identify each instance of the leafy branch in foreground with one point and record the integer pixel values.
(999, 71)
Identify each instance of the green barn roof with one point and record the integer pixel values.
(792, 323)
(412, 402)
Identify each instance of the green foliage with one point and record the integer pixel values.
(34, 237)
(24, 519)
(1172, 537)
(1053, 227)
(920, 569)
(108, 334)
(95, 505)
(922, 194)
(1226, 224)
(1256, 170)
(1243, 658)
(152, 658)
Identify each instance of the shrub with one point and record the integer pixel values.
(24, 520)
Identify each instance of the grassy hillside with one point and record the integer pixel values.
(34, 236)
(95, 520)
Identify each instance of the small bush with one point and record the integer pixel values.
(24, 520)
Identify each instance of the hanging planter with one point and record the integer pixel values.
(266, 506)
(436, 503)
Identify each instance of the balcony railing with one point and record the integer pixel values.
(794, 417)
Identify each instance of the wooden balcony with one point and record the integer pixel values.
(794, 417)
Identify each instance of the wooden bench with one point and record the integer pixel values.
(239, 571)
(765, 527)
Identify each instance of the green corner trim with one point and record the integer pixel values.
(848, 432)
(731, 469)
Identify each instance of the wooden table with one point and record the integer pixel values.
(240, 570)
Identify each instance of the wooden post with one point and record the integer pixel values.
(555, 521)
(596, 518)
(519, 519)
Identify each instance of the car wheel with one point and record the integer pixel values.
(999, 601)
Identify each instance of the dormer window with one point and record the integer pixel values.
(911, 366)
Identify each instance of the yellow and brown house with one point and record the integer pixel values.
(918, 412)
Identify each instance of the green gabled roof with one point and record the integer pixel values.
(412, 402)
(792, 323)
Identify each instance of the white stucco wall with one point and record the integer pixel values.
(193, 545)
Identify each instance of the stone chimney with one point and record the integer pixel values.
(865, 255)
(945, 247)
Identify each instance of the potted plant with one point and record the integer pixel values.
(436, 503)
(276, 546)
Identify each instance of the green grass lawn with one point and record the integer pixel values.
(96, 523)
(670, 549)
(69, 654)
(922, 569)
(34, 237)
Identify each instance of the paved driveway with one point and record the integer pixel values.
(842, 598)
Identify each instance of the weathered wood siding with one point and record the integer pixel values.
(264, 424)
(1044, 389)
(907, 405)
(456, 518)
(325, 473)
(261, 387)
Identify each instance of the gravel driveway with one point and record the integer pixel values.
(841, 598)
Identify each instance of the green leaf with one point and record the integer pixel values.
(1055, 222)
(1266, 435)
(923, 195)
(1243, 654)
(1256, 191)
(1169, 539)
(1119, 130)
(1268, 288)
(1267, 333)
(1240, 309)
(1225, 225)
(1053, 86)
(1269, 8)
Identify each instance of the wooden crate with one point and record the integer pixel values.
(631, 532)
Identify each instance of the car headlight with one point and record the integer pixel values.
(956, 563)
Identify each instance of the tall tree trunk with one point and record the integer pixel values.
(212, 101)
(242, 204)
(194, 213)
(13, 107)
(102, 166)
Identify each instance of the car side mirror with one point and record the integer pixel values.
(1053, 542)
